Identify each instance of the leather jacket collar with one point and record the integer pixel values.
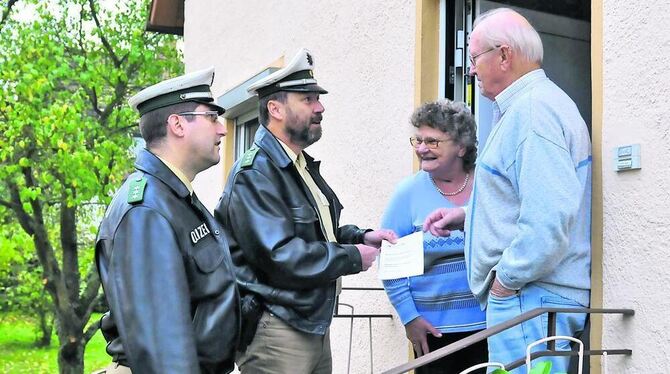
(265, 140)
(150, 164)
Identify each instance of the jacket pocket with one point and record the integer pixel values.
(304, 214)
(305, 223)
(208, 257)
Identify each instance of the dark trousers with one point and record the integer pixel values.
(457, 361)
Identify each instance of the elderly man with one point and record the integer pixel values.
(163, 260)
(282, 219)
(528, 223)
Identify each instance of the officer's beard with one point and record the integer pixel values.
(302, 132)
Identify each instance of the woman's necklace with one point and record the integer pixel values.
(459, 190)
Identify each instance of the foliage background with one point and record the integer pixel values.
(67, 68)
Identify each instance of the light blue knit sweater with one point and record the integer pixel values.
(529, 218)
(441, 295)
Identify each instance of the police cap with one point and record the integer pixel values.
(191, 87)
(297, 76)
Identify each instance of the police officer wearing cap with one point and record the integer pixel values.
(282, 220)
(163, 260)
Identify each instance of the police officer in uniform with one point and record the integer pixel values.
(163, 260)
(282, 220)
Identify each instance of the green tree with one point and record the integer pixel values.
(67, 137)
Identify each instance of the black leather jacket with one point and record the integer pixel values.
(278, 247)
(168, 278)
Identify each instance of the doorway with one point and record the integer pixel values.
(565, 30)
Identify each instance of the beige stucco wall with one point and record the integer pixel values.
(636, 204)
(364, 55)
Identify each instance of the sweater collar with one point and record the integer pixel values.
(506, 98)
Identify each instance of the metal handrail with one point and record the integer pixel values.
(484, 334)
(353, 315)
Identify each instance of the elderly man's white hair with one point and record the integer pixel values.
(505, 26)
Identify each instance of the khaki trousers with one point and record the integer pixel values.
(279, 348)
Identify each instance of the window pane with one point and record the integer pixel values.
(244, 134)
(250, 133)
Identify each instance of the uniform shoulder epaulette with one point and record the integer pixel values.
(136, 189)
(248, 157)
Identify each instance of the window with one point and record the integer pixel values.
(245, 130)
(242, 110)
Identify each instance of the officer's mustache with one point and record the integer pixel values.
(317, 118)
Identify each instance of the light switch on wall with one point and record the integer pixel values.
(627, 157)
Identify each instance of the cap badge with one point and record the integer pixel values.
(310, 60)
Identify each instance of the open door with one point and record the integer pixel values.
(564, 28)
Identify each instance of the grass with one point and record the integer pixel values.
(18, 353)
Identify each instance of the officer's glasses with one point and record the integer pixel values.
(211, 115)
(429, 142)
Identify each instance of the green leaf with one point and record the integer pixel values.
(543, 367)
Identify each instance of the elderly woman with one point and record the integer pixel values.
(437, 308)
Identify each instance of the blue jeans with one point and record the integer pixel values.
(510, 345)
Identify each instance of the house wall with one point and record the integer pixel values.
(636, 204)
(365, 56)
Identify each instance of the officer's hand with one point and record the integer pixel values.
(374, 238)
(368, 255)
(443, 220)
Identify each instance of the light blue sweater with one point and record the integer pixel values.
(441, 295)
(529, 218)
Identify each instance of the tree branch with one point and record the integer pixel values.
(93, 97)
(5, 13)
(91, 292)
(25, 220)
(8, 205)
(103, 39)
(123, 129)
(90, 332)
(68, 241)
(45, 252)
(120, 90)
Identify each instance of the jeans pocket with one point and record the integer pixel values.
(567, 324)
(495, 298)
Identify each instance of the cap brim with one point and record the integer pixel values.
(306, 88)
(211, 104)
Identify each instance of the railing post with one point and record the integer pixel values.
(551, 330)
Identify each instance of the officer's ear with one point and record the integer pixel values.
(175, 125)
(276, 109)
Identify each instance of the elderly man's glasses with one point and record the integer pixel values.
(473, 59)
(211, 115)
(429, 142)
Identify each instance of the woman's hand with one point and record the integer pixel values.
(417, 332)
